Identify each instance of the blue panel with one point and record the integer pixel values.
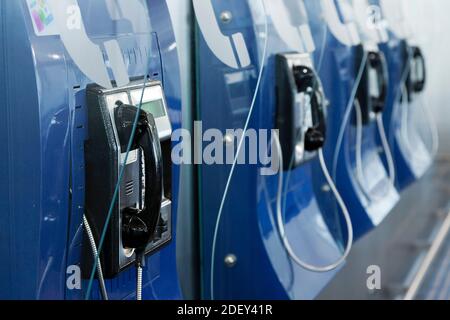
(43, 134)
(411, 156)
(369, 201)
(247, 228)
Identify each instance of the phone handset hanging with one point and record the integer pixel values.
(139, 225)
(128, 177)
(417, 75)
(373, 88)
(420, 68)
(302, 129)
(377, 61)
(301, 122)
(370, 103)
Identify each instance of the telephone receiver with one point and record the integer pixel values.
(377, 62)
(370, 21)
(373, 88)
(345, 31)
(221, 45)
(90, 59)
(307, 82)
(300, 109)
(418, 72)
(139, 225)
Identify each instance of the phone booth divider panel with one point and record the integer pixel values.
(412, 156)
(245, 257)
(347, 57)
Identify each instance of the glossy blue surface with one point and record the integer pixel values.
(248, 229)
(411, 156)
(42, 136)
(371, 201)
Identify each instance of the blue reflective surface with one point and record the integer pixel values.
(411, 156)
(42, 195)
(369, 201)
(247, 228)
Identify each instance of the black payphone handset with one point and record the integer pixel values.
(140, 222)
(300, 109)
(301, 121)
(373, 88)
(369, 104)
(417, 74)
(377, 62)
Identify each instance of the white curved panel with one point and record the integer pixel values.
(134, 11)
(346, 32)
(290, 20)
(220, 44)
(85, 54)
(394, 12)
(370, 21)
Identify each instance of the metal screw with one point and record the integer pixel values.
(230, 260)
(226, 16)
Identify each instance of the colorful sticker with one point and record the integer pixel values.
(41, 16)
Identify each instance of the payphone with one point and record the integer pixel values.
(301, 121)
(102, 77)
(353, 60)
(372, 90)
(275, 90)
(371, 98)
(407, 70)
(417, 75)
(142, 215)
(300, 109)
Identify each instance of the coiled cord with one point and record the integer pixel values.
(116, 190)
(317, 83)
(280, 220)
(402, 96)
(101, 279)
(139, 283)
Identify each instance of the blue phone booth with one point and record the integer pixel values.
(72, 70)
(412, 156)
(255, 70)
(354, 80)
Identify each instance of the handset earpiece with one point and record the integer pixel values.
(308, 82)
(315, 136)
(377, 61)
(139, 225)
(418, 83)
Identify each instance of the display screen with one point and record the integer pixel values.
(156, 108)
